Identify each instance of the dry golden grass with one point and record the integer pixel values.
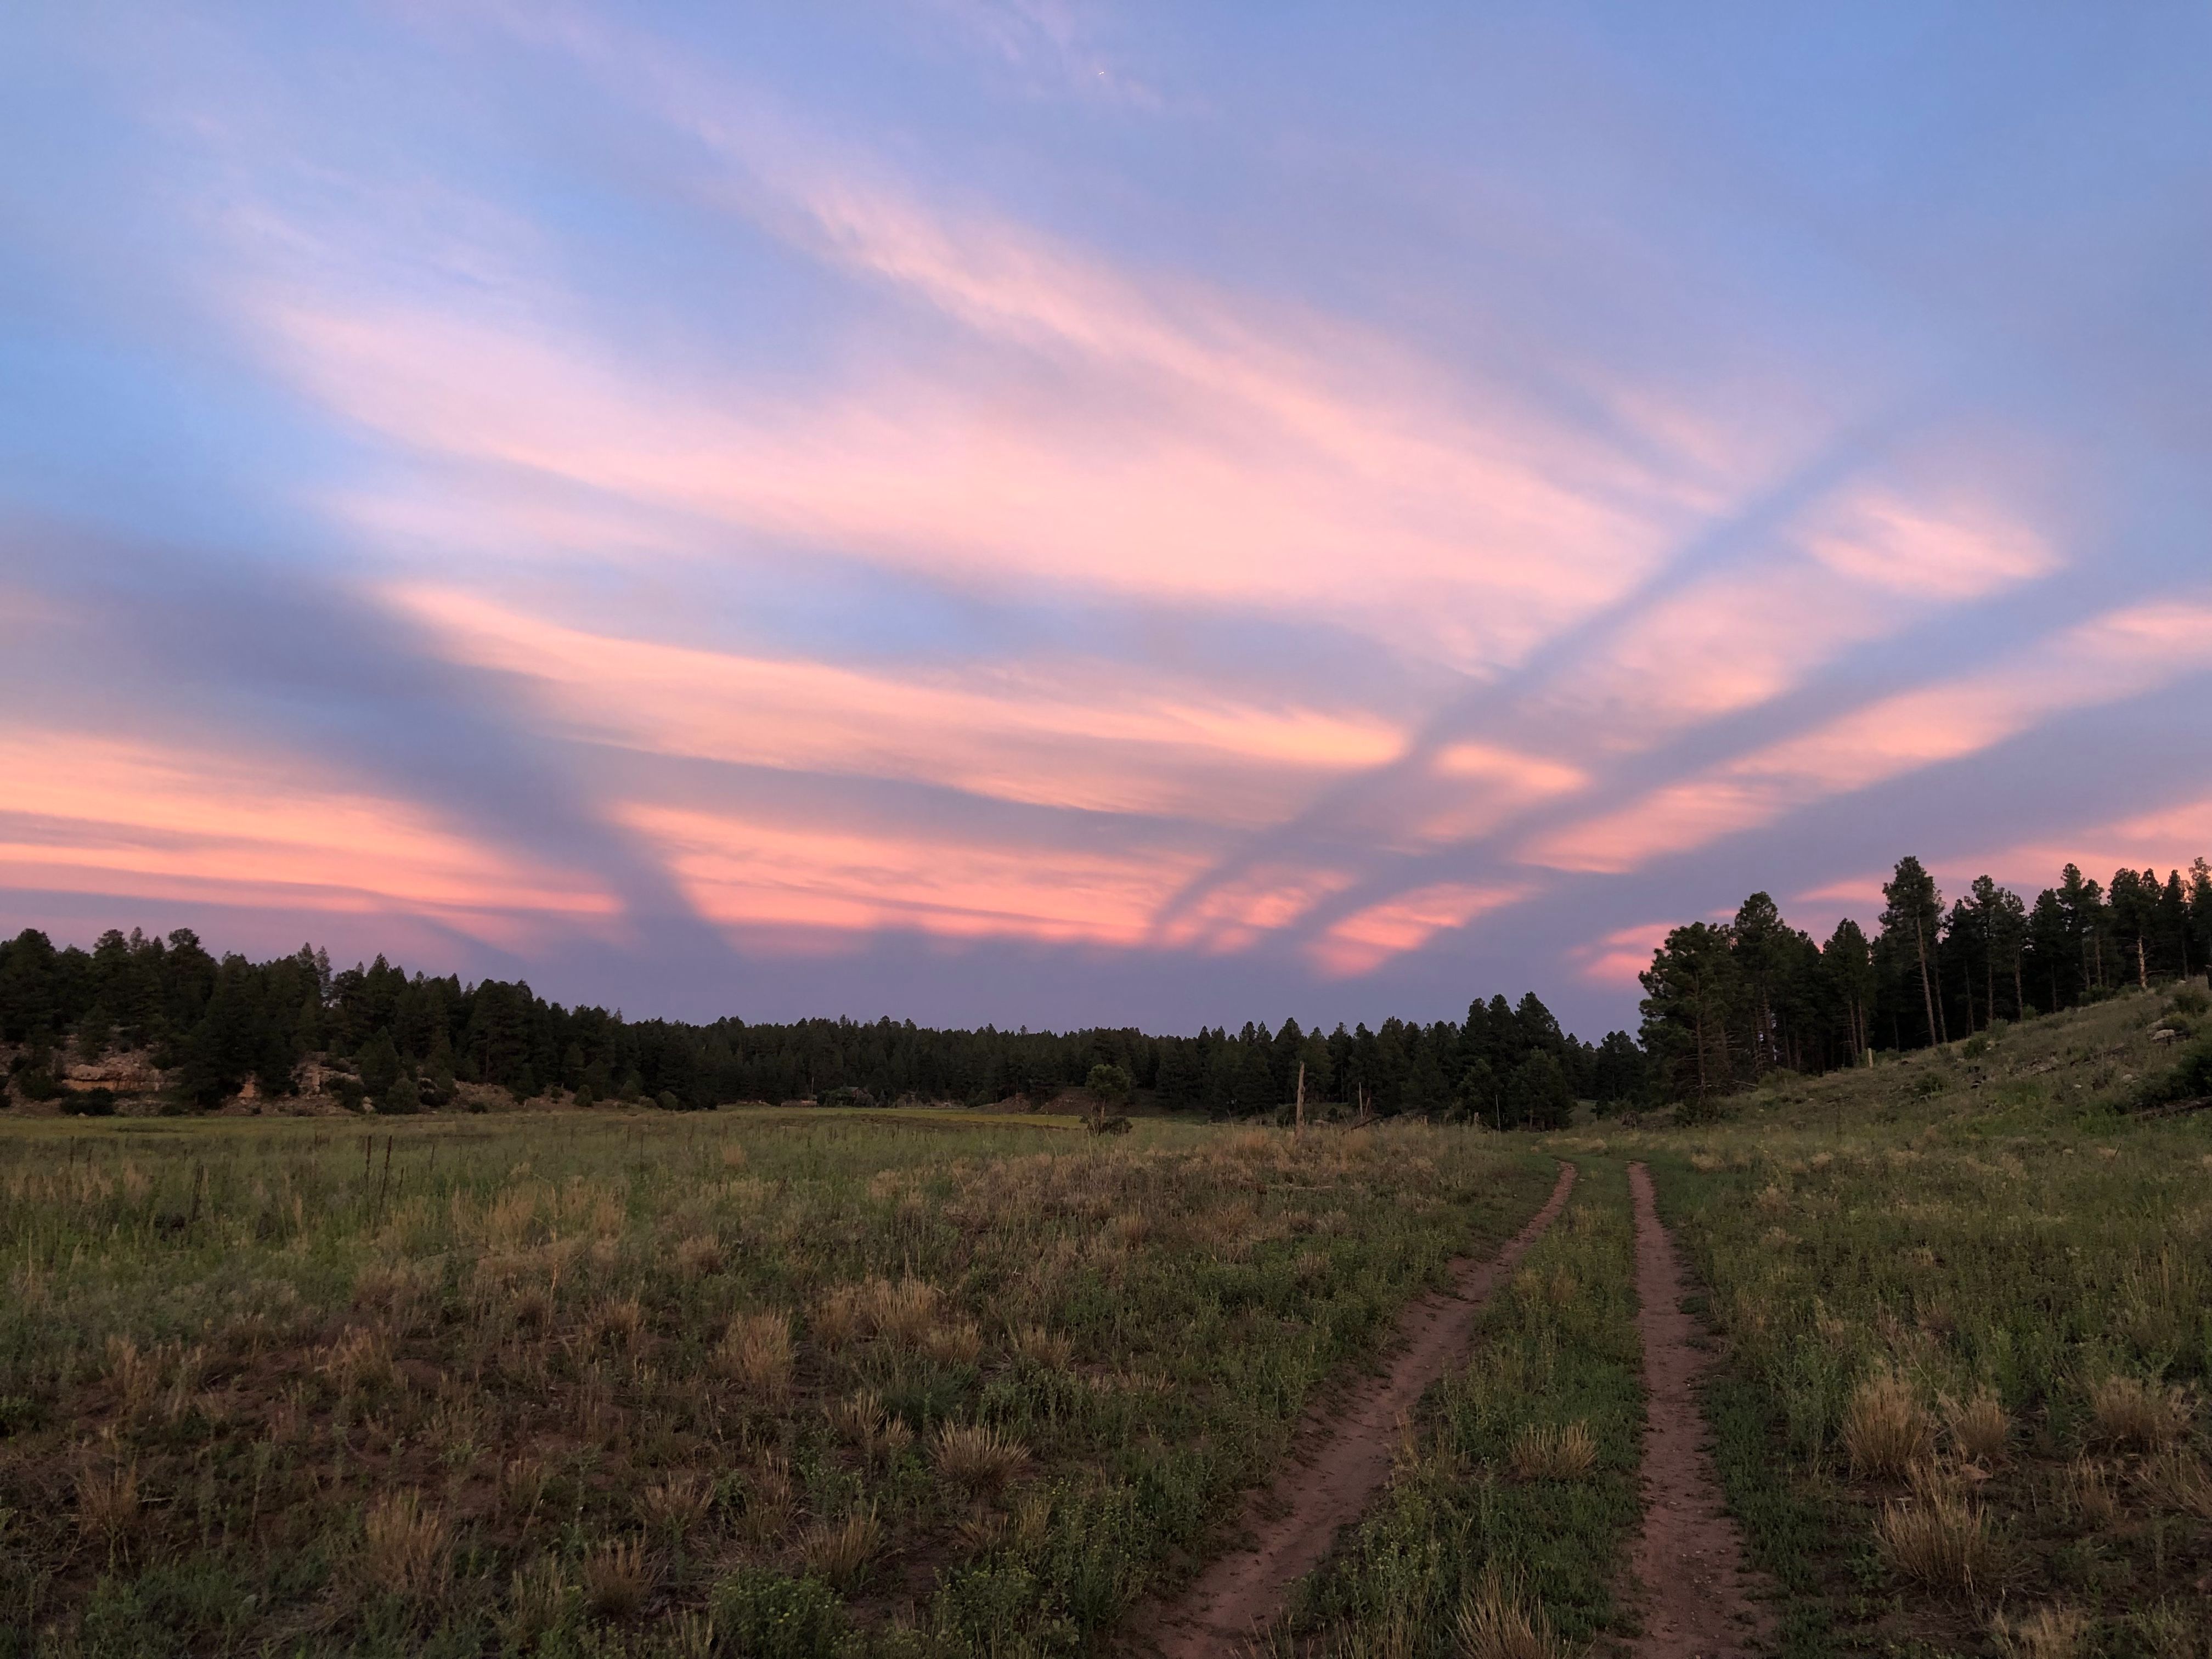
(1979, 1426)
(616, 1577)
(857, 1419)
(905, 1314)
(734, 1155)
(403, 1545)
(676, 1506)
(619, 1320)
(1495, 1622)
(2088, 1492)
(756, 1351)
(2129, 1414)
(1886, 1433)
(538, 1597)
(2050, 1633)
(768, 1492)
(1051, 1350)
(699, 1255)
(2178, 1480)
(976, 1457)
(107, 1505)
(956, 1342)
(838, 1319)
(1546, 1453)
(840, 1554)
(1939, 1539)
(360, 1357)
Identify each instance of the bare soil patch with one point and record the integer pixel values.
(1339, 1461)
(1696, 1592)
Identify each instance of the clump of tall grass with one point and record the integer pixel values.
(839, 1554)
(755, 1350)
(405, 1545)
(976, 1457)
(1939, 1539)
(616, 1577)
(1496, 1621)
(1887, 1434)
(2055, 1632)
(2129, 1414)
(1979, 1427)
(1548, 1452)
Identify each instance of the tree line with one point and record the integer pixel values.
(1726, 1003)
(404, 1042)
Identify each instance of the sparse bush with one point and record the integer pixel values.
(764, 1612)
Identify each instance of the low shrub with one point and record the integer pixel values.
(765, 1613)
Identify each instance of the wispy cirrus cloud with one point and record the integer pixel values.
(2121, 654)
(622, 475)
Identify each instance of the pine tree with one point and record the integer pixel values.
(1913, 911)
(1691, 993)
(1847, 963)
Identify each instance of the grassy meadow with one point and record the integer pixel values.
(806, 1382)
(776, 1383)
(1965, 1306)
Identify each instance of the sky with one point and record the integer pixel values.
(1036, 512)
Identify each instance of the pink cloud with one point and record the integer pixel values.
(91, 814)
(1065, 735)
(1366, 939)
(750, 875)
(2111, 657)
(1619, 957)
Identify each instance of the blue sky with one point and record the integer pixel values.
(1049, 513)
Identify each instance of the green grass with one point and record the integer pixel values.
(1993, 1224)
(1558, 1345)
(581, 1384)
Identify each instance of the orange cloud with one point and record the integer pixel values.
(89, 814)
(1367, 939)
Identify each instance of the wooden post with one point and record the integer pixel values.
(1302, 1096)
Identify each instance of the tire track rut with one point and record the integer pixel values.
(1695, 1589)
(1337, 1462)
